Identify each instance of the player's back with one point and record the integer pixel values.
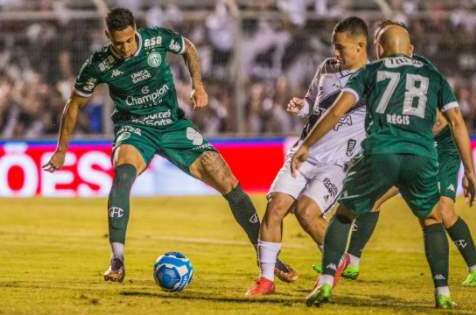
(402, 95)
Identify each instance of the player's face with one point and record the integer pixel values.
(124, 42)
(347, 49)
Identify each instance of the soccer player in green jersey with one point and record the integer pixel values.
(402, 96)
(148, 121)
(448, 166)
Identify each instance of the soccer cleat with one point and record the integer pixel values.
(319, 295)
(116, 271)
(351, 272)
(444, 302)
(284, 272)
(317, 268)
(470, 280)
(262, 287)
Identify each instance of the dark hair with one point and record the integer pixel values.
(384, 23)
(354, 25)
(119, 19)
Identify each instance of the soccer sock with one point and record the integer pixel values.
(436, 250)
(335, 242)
(461, 237)
(268, 253)
(362, 230)
(117, 250)
(118, 203)
(244, 212)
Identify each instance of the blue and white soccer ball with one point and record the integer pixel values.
(173, 271)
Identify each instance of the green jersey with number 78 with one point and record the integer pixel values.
(403, 95)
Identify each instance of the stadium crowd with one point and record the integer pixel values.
(278, 57)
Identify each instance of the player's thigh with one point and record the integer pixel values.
(325, 187)
(392, 192)
(418, 184)
(286, 183)
(367, 180)
(279, 205)
(310, 215)
(132, 145)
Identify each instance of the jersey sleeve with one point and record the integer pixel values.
(446, 97)
(313, 88)
(172, 41)
(87, 79)
(357, 84)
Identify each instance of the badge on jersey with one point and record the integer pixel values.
(154, 60)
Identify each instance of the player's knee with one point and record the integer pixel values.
(448, 213)
(276, 211)
(306, 211)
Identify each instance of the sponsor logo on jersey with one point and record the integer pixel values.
(351, 143)
(153, 98)
(90, 84)
(153, 41)
(106, 64)
(140, 76)
(156, 119)
(116, 73)
(174, 46)
(396, 119)
(154, 60)
(344, 121)
(331, 188)
(116, 212)
(129, 129)
(194, 136)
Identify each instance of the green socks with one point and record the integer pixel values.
(461, 237)
(436, 250)
(244, 212)
(118, 203)
(363, 228)
(335, 243)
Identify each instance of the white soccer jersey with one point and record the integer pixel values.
(343, 142)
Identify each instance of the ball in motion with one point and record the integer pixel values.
(173, 271)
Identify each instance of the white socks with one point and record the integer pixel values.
(117, 250)
(326, 279)
(353, 260)
(472, 268)
(268, 253)
(443, 291)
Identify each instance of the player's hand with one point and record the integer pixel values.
(299, 156)
(295, 105)
(56, 161)
(199, 97)
(469, 187)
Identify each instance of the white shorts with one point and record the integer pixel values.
(322, 183)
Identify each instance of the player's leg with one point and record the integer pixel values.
(363, 186)
(362, 230)
(309, 216)
(418, 184)
(127, 163)
(458, 231)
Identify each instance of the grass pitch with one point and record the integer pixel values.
(53, 253)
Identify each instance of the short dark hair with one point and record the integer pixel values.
(118, 19)
(354, 25)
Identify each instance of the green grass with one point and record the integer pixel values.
(53, 253)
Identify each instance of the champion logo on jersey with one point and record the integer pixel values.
(451, 188)
(116, 73)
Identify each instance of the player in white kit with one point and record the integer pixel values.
(320, 179)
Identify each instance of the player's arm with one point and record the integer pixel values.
(69, 118)
(199, 95)
(344, 102)
(461, 136)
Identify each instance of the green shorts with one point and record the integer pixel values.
(180, 143)
(449, 164)
(371, 176)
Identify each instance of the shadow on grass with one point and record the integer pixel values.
(374, 301)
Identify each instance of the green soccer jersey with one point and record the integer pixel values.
(142, 85)
(402, 96)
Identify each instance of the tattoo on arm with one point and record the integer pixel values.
(193, 63)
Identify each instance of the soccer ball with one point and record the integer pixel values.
(173, 271)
